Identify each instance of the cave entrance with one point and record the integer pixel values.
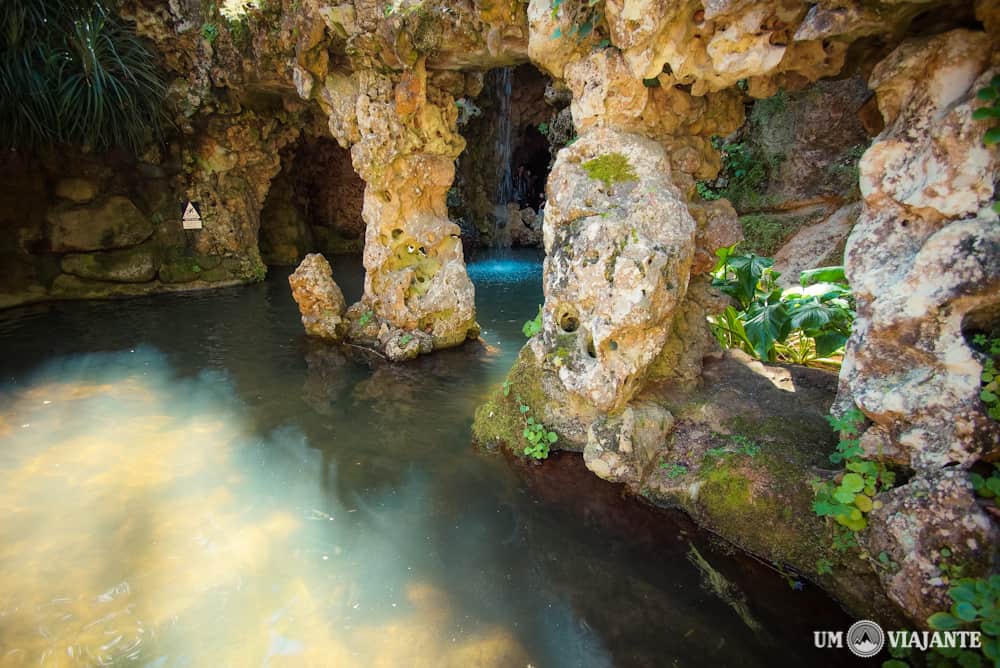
(314, 204)
(512, 130)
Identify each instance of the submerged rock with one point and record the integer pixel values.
(319, 298)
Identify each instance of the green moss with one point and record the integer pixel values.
(764, 504)
(610, 169)
(498, 422)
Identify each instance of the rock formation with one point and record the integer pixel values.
(923, 260)
(629, 241)
(319, 298)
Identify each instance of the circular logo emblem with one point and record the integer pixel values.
(865, 638)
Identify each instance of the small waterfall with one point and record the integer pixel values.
(502, 150)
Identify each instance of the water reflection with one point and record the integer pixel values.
(142, 512)
(216, 490)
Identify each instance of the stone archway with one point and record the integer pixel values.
(314, 204)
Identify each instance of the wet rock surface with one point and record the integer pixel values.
(319, 298)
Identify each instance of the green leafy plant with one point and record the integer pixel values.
(849, 499)
(75, 72)
(706, 192)
(210, 32)
(405, 339)
(674, 470)
(533, 326)
(745, 445)
(539, 439)
(989, 348)
(949, 569)
(543, 128)
(987, 487)
(990, 112)
(742, 176)
(975, 606)
(366, 318)
(802, 326)
(610, 168)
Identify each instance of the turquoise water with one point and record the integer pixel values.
(189, 481)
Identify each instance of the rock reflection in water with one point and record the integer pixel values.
(145, 523)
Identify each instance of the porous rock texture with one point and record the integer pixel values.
(319, 298)
(619, 343)
(923, 259)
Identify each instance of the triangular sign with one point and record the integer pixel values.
(191, 220)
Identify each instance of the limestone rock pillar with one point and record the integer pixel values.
(405, 141)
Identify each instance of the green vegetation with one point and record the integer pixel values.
(610, 169)
(799, 326)
(539, 438)
(366, 318)
(210, 32)
(989, 348)
(851, 496)
(743, 176)
(764, 233)
(990, 112)
(987, 487)
(533, 326)
(975, 607)
(744, 445)
(543, 128)
(74, 72)
(674, 470)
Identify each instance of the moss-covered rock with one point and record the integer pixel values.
(741, 460)
(131, 265)
(112, 223)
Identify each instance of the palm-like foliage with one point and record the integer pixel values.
(72, 71)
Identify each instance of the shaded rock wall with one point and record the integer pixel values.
(314, 204)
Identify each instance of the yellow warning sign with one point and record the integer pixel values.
(191, 220)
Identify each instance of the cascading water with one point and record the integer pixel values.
(504, 179)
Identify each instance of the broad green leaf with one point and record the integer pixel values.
(987, 94)
(823, 275)
(985, 113)
(968, 659)
(853, 482)
(942, 621)
(844, 495)
(809, 314)
(828, 343)
(764, 325)
(748, 270)
(992, 136)
(864, 503)
(965, 611)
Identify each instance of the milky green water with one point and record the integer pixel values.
(188, 481)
